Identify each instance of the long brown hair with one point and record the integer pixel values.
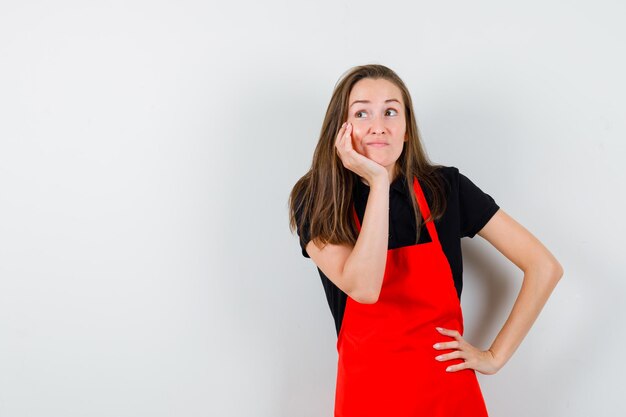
(321, 200)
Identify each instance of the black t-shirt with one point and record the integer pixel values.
(468, 210)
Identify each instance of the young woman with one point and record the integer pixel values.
(383, 226)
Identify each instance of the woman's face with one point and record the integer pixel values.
(376, 111)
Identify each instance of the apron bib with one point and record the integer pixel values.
(386, 365)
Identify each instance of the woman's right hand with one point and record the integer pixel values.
(355, 161)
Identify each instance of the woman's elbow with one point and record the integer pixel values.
(557, 269)
(546, 267)
(551, 268)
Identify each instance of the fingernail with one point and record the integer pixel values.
(344, 124)
(439, 328)
(436, 345)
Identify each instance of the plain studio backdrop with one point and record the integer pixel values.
(147, 150)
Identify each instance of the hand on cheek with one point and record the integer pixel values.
(357, 142)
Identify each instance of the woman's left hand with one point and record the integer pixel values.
(479, 360)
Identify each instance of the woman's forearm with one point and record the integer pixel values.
(366, 264)
(538, 283)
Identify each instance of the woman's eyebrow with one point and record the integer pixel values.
(367, 101)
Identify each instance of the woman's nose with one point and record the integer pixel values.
(377, 127)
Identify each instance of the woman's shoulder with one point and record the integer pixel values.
(458, 181)
(448, 176)
(473, 205)
(448, 172)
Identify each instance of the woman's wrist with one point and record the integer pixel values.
(379, 181)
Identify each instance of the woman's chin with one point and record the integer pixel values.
(376, 158)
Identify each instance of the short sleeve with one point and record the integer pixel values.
(476, 207)
(303, 233)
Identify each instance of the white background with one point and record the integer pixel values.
(147, 150)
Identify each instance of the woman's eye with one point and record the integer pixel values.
(361, 111)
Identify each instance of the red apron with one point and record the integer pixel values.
(387, 365)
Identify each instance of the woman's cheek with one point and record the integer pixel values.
(357, 136)
(358, 144)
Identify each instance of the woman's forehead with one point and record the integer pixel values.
(376, 91)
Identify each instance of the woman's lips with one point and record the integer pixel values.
(377, 144)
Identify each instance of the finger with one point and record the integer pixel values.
(346, 131)
(338, 145)
(450, 332)
(452, 355)
(342, 130)
(339, 134)
(348, 138)
(447, 345)
(457, 367)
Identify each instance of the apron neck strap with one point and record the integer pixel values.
(425, 210)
